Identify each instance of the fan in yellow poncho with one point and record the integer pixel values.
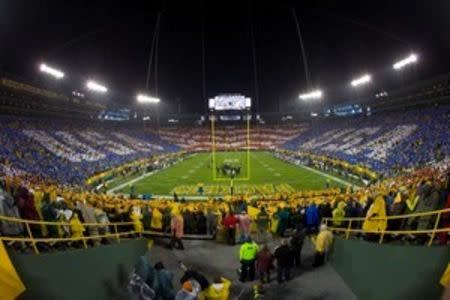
(376, 210)
(339, 214)
(136, 217)
(76, 227)
(11, 285)
(156, 219)
(218, 290)
(445, 279)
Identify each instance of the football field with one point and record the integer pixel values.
(259, 173)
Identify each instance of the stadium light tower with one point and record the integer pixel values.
(313, 95)
(142, 98)
(51, 71)
(366, 78)
(96, 87)
(411, 59)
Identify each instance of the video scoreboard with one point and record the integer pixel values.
(230, 102)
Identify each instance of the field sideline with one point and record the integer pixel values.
(268, 175)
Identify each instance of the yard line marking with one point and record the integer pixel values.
(119, 187)
(346, 183)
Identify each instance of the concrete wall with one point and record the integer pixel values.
(79, 274)
(387, 272)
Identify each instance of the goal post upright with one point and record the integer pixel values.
(248, 147)
(213, 146)
(230, 107)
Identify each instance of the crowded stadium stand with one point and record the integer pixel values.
(231, 137)
(383, 141)
(51, 167)
(68, 151)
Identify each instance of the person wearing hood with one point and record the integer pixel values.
(136, 217)
(156, 223)
(322, 244)
(339, 214)
(376, 218)
(218, 290)
(76, 227)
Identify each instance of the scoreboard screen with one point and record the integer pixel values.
(230, 102)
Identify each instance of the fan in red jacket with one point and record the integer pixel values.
(230, 222)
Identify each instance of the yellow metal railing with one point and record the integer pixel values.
(348, 222)
(30, 238)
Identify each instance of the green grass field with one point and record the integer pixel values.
(268, 175)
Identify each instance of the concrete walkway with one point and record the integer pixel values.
(214, 259)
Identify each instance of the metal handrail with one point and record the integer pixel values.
(421, 214)
(34, 240)
(11, 219)
(349, 221)
(116, 234)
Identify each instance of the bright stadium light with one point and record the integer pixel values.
(94, 86)
(141, 98)
(316, 94)
(411, 59)
(366, 78)
(51, 71)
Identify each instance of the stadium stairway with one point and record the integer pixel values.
(213, 259)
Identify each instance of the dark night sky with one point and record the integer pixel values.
(110, 42)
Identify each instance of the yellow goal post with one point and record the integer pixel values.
(213, 120)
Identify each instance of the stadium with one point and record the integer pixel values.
(246, 150)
